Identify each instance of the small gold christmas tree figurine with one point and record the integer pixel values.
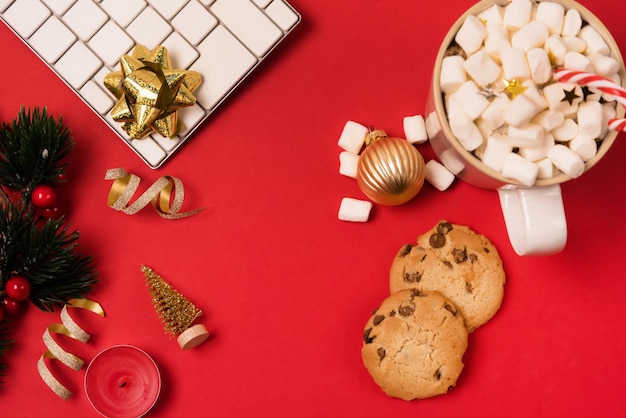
(176, 312)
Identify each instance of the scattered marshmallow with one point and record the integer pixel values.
(567, 161)
(549, 119)
(572, 23)
(521, 111)
(574, 44)
(532, 35)
(433, 126)
(552, 14)
(538, 153)
(530, 135)
(468, 97)
(497, 40)
(556, 47)
(491, 16)
(438, 175)
(567, 131)
(545, 169)
(514, 63)
(518, 168)
(539, 65)
(482, 68)
(466, 131)
(352, 137)
(517, 14)
(595, 41)
(348, 163)
(415, 129)
(453, 73)
(471, 34)
(584, 146)
(354, 210)
(493, 115)
(556, 99)
(590, 118)
(603, 65)
(577, 61)
(496, 150)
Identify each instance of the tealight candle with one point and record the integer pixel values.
(122, 381)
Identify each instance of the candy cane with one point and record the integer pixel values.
(601, 83)
(592, 80)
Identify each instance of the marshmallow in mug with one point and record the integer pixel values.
(545, 128)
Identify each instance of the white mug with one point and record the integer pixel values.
(534, 216)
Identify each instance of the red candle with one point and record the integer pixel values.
(122, 381)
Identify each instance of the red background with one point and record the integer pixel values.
(286, 287)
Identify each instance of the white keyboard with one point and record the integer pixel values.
(82, 41)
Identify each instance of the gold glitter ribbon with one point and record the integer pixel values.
(71, 329)
(159, 194)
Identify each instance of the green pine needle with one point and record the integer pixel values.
(32, 149)
(46, 254)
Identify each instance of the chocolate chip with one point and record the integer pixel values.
(406, 309)
(460, 255)
(473, 258)
(437, 240)
(416, 293)
(366, 336)
(444, 227)
(404, 251)
(450, 309)
(437, 374)
(392, 314)
(449, 264)
(378, 319)
(486, 250)
(468, 287)
(381, 353)
(412, 277)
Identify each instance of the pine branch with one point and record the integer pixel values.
(32, 149)
(45, 254)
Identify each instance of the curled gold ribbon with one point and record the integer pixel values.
(159, 194)
(71, 329)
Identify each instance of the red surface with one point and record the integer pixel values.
(285, 287)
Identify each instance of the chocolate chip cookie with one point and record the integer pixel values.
(413, 344)
(458, 262)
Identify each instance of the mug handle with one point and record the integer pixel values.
(534, 218)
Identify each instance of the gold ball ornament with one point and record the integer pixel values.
(390, 170)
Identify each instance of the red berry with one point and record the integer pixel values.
(43, 196)
(18, 288)
(61, 177)
(11, 306)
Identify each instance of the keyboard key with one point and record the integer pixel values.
(149, 29)
(59, 6)
(190, 117)
(97, 97)
(194, 12)
(223, 62)
(52, 39)
(167, 8)
(4, 4)
(168, 144)
(181, 53)
(282, 14)
(149, 150)
(26, 16)
(248, 23)
(262, 3)
(77, 65)
(85, 18)
(110, 43)
(123, 12)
